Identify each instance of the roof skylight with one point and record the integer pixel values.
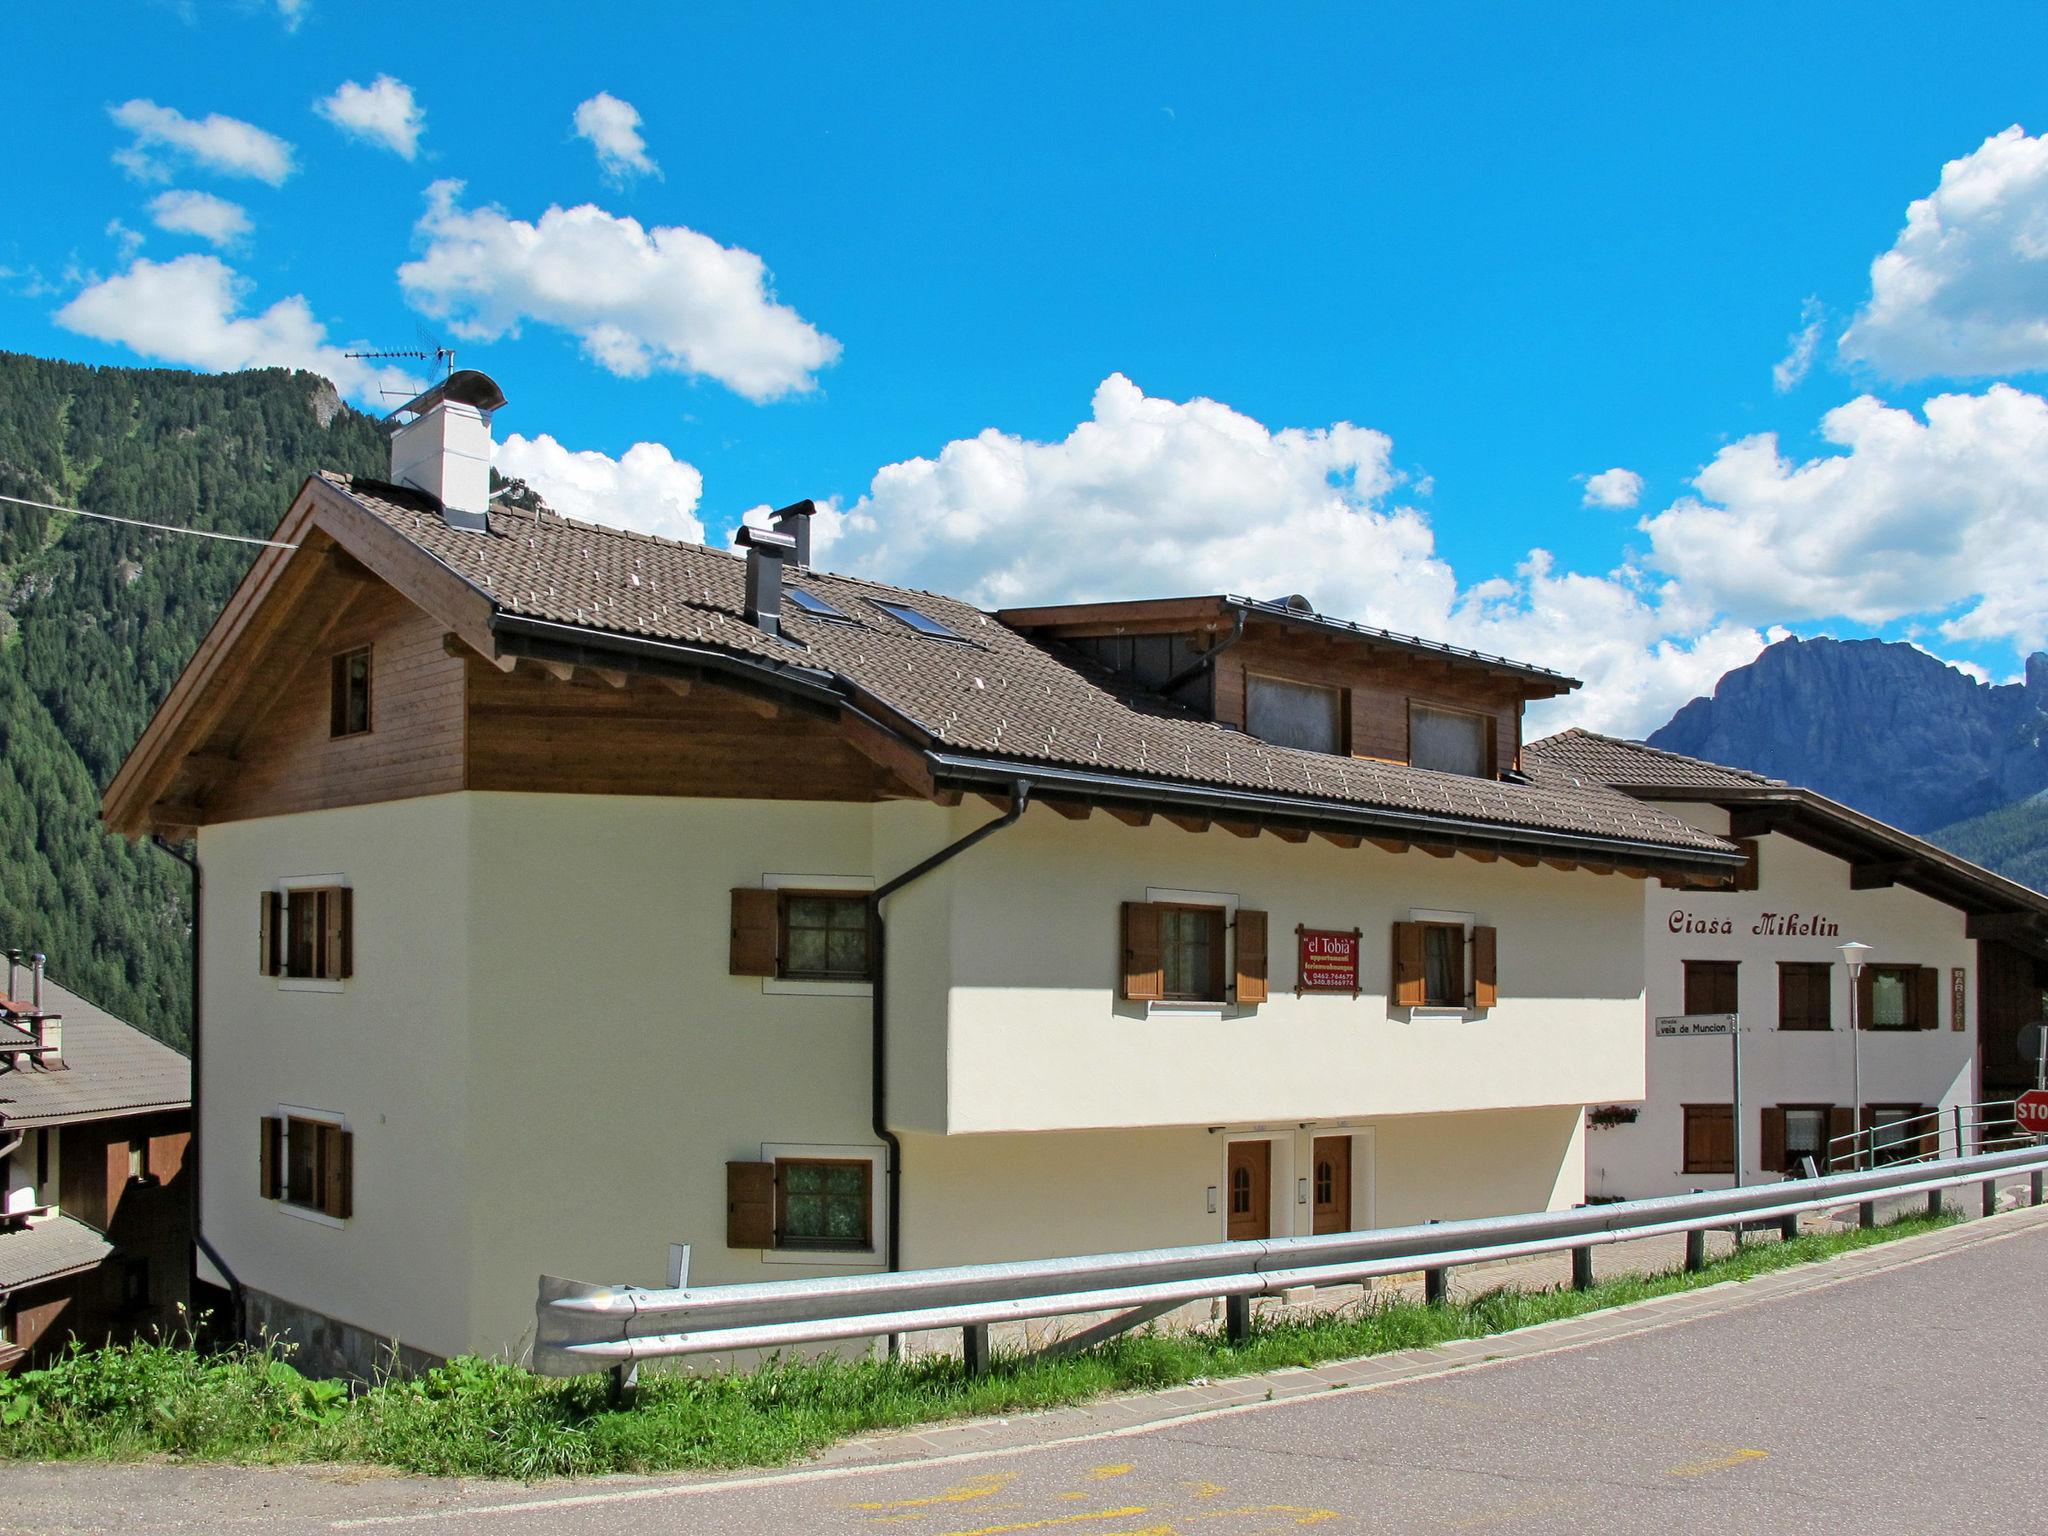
(816, 606)
(903, 613)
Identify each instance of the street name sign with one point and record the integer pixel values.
(2030, 1109)
(1696, 1024)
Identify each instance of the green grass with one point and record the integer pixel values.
(488, 1419)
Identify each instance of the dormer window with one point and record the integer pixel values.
(1450, 741)
(1291, 714)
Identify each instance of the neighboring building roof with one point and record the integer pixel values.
(48, 1250)
(1631, 765)
(993, 702)
(1877, 853)
(1290, 610)
(110, 1068)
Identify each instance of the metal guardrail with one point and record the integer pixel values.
(585, 1328)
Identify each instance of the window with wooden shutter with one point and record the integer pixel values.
(1709, 1138)
(270, 1166)
(269, 927)
(756, 928)
(824, 1203)
(750, 1205)
(1927, 997)
(1805, 995)
(1891, 996)
(1485, 968)
(825, 936)
(311, 1164)
(1143, 977)
(1710, 986)
(310, 933)
(1806, 1130)
(337, 1172)
(1251, 956)
(1407, 988)
(1772, 1149)
(337, 955)
(348, 699)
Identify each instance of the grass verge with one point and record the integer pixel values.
(483, 1418)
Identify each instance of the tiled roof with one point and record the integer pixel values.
(1632, 765)
(48, 1249)
(994, 693)
(110, 1068)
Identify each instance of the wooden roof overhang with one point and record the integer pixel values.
(292, 597)
(1878, 855)
(1224, 614)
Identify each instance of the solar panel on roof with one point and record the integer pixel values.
(816, 606)
(903, 613)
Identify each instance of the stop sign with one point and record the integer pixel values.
(2030, 1109)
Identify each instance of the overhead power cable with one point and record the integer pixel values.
(136, 522)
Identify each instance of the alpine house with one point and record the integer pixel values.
(571, 892)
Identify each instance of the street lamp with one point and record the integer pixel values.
(1853, 955)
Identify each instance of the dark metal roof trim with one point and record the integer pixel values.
(1285, 614)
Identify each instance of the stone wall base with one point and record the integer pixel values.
(326, 1347)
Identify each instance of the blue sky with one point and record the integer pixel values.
(1516, 247)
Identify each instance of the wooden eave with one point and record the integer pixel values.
(329, 534)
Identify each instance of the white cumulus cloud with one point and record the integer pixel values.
(613, 128)
(228, 146)
(639, 299)
(213, 219)
(1934, 515)
(292, 12)
(1801, 347)
(382, 112)
(189, 311)
(646, 488)
(1964, 290)
(1152, 497)
(1615, 487)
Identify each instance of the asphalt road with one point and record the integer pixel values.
(1903, 1401)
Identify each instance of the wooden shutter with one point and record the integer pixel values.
(1485, 968)
(1772, 1155)
(1841, 1122)
(756, 931)
(337, 1172)
(1866, 996)
(750, 1205)
(1409, 987)
(270, 929)
(1251, 956)
(1927, 997)
(1144, 972)
(1930, 1137)
(270, 1174)
(337, 913)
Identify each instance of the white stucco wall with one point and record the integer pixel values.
(547, 1065)
(1932, 1067)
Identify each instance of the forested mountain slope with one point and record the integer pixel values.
(97, 620)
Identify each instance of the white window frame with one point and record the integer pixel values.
(286, 1113)
(870, 1257)
(1467, 921)
(1201, 1008)
(785, 986)
(284, 888)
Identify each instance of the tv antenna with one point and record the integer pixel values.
(428, 351)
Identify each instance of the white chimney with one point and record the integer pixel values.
(444, 448)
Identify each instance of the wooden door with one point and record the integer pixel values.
(1249, 1188)
(1330, 1184)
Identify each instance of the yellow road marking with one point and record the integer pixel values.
(1205, 1490)
(1104, 1473)
(961, 1493)
(1302, 1515)
(1050, 1520)
(1718, 1464)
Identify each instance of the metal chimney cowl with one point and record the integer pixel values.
(765, 553)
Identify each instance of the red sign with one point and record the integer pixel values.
(2030, 1109)
(1329, 960)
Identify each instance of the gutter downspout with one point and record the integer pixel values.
(1020, 797)
(237, 1303)
(1206, 661)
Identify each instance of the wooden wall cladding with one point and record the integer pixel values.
(286, 759)
(1379, 688)
(531, 731)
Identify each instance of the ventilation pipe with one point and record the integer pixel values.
(443, 446)
(49, 1026)
(795, 520)
(765, 553)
